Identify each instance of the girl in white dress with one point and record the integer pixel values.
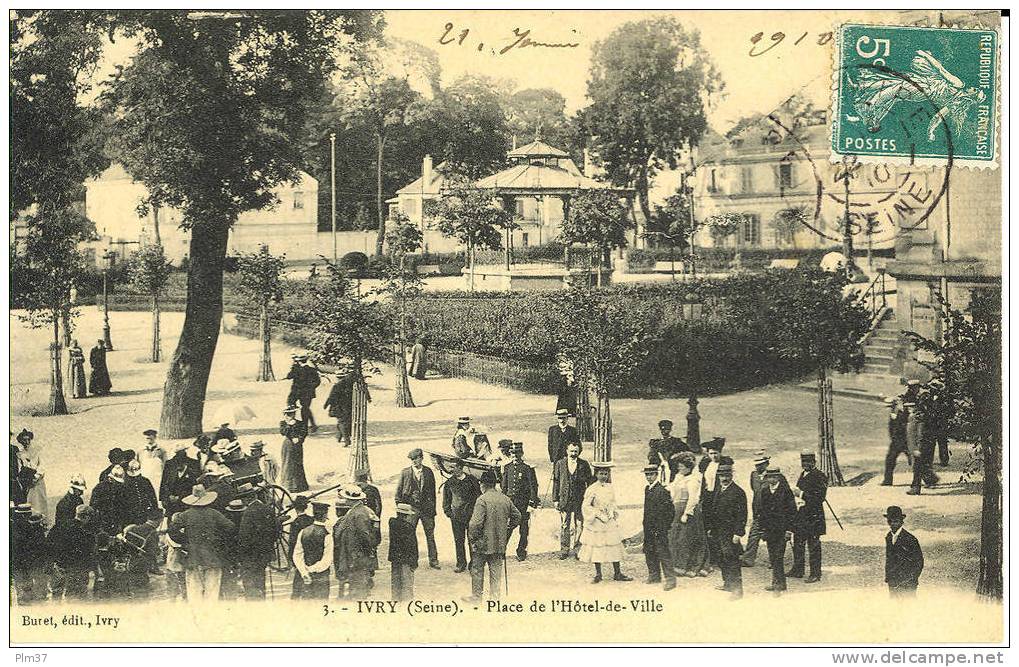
(37, 496)
(603, 541)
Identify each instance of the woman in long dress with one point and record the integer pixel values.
(603, 540)
(99, 381)
(687, 539)
(292, 453)
(419, 359)
(77, 357)
(37, 496)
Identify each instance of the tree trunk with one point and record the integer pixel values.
(380, 144)
(188, 376)
(989, 582)
(642, 194)
(603, 429)
(827, 460)
(155, 357)
(265, 373)
(359, 425)
(470, 266)
(155, 225)
(57, 404)
(585, 427)
(404, 399)
(65, 323)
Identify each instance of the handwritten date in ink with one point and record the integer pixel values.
(758, 49)
(519, 39)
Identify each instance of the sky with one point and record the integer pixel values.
(753, 84)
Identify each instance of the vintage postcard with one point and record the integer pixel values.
(441, 327)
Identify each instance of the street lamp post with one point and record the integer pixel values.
(332, 189)
(108, 257)
(693, 308)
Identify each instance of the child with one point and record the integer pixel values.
(603, 542)
(403, 551)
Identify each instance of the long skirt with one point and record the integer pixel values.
(603, 542)
(293, 478)
(688, 543)
(99, 382)
(78, 389)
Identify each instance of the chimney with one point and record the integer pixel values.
(588, 165)
(514, 142)
(426, 173)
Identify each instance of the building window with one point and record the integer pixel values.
(752, 230)
(785, 175)
(523, 240)
(518, 207)
(410, 207)
(746, 180)
(298, 199)
(713, 184)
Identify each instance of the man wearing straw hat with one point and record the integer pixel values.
(356, 537)
(903, 556)
(493, 519)
(313, 556)
(561, 435)
(204, 532)
(757, 482)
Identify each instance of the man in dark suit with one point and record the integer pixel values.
(757, 482)
(571, 476)
(520, 483)
(660, 450)
(114, 502)
(775, 513)
(339, 403)
(180, 474)
(658, 515)
(256, 545)
(561, 435)
(897, 443)
(417, 488)
(730, 507)
(903, 556)
(811, 489)
(373, 499)
(459, 494)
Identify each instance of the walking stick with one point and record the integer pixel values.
(834, 514)
(505, 574)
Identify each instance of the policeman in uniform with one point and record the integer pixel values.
(811, 490)
(520, 483)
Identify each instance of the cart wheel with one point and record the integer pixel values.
(280, 500)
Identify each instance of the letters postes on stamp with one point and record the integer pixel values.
(927, 95)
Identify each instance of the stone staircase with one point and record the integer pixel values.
(879, 350)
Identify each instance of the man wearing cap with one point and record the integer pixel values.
(811, 489)
(340, 402)
(313, 556)
(561, 435)
(462, 445)
(459, 493)
(72, 544)
(152, 457)
(898, 417)
(730, 522)
(204, 532)
(417, 489)
(356, 537)
(71, 500)
(903, 556)
(520, 484)
(757, 482)
(658, 515)
(256, 544)
(660, 450)
(403, 551)
(775, 514)
(493, 519)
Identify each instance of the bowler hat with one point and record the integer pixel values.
(257, 446)
(415, 453)
(236, 505)
(665, 423)
(404, 508)
(488, 477)
(651, 467)
(200, 497)
(894, 512)
(506, 443)
(150, 431)
(807, 455)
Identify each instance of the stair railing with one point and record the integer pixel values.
(875, 299)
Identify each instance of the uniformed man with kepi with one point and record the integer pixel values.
(811, 490)
(520, 483)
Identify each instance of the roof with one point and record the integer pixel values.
(539, 177)
(417, 186)
(536, 148)
(760, 138)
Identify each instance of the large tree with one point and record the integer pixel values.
(468, 122)
(472, 217)
(965, 394)
(648, 86)
(597, 219)
(209, 116)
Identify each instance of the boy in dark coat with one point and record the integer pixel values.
(658, 515)
(776, 513)
(903, 556)
(811, 489)
(403, 551)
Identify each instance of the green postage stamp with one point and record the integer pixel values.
(920, 95)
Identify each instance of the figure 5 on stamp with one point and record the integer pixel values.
(926, 94)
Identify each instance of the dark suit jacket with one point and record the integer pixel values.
(730, 511)
(658, 512)
(520, 483)
(373, 499)
(776, 511)
(559, 439)
(459, 496)
(903, 561)
(810, 517)
(205, 534)
(403, 542)
(340, 400)
(66, 507)
(569, 490)
(256, 537)
(421, 498)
